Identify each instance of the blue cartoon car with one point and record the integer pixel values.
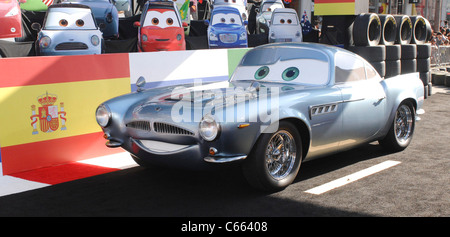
(68, 29)
(104, 12)
(226, 28)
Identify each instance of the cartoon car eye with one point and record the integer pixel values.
(232, 20)
(169, 21)
(155, 21)
(63, 22)
(289, 21)
(269, 10)
(222, 20)
(261, 72)
(79, 23)
(282, 21)
(234, 1)
(290, 73)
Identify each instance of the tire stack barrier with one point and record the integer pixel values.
(394, 44)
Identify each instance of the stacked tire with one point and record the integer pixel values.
(366, 33)
(394, 44)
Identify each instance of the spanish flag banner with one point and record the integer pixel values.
(48, 107)
(334, 7)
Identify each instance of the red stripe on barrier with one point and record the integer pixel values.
(53, 69)
(63, 173)
(36, 155)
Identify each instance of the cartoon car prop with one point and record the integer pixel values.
(160, 28)
(105, 13)
(10, 18)
(226, 29)
(284, 104)
(241, 5)
(264, 14)
(285, 26)
(69, 29)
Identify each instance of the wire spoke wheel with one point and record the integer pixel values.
(280, 154)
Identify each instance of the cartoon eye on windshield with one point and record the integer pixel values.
(169, 21)
(232, 20)
(290, 73)
(282, 21)
(261, 72)
(289, 21)
(79, 23)
(63, 22)
(155, 21)
(222, 20)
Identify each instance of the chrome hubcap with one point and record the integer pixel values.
(280, 154)
(403, 124)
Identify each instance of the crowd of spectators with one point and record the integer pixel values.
(442, 37)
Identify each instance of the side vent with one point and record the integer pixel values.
(322, 109)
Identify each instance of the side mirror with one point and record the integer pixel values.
(245, 22)
(257, 10)
(140, 83)
(36, 26)
(184, 24)
(206, 22)
(137, 24)
(22, 1)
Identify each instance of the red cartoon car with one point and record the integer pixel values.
(10, 18)
(160, 28)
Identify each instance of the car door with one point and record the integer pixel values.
(363, 99)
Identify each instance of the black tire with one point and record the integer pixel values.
(438, 78)
(388, 29)
(404, 29)
(425, 77)
(430, 89)
(408, 66)
(393, 52)
(140, 162)
(423, 65)
(370, 53)
(423, 51)
(409, 51)
(393, 68)
(447, 80)
(380, 67)
(257, 165)
(401, 130)
(366, 30)
(419, 33)
(429, 30)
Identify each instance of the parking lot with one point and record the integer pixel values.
(414, 183)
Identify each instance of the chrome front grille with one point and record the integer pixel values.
(71, 46)
(170, 129)
(228, 38)
(141, 125)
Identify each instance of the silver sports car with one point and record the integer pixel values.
(284, 104)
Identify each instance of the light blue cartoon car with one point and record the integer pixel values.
(69, 29)
(104, 12)
(226, 29)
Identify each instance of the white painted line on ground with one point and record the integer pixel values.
(352, 177)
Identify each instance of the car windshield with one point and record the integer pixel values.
(228, 2)
(69, 19)
(226, 18)
(161, 18)
(270, 6)
(285, 19)
(287, 65)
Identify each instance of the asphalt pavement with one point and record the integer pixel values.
(417, 186)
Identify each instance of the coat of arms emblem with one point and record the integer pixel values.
(48, 114)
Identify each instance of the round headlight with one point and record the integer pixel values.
(95, 40)
(103, 115)
(144, 38)
(209, 128)
(45, 42)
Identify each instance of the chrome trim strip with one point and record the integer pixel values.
(219, 160)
